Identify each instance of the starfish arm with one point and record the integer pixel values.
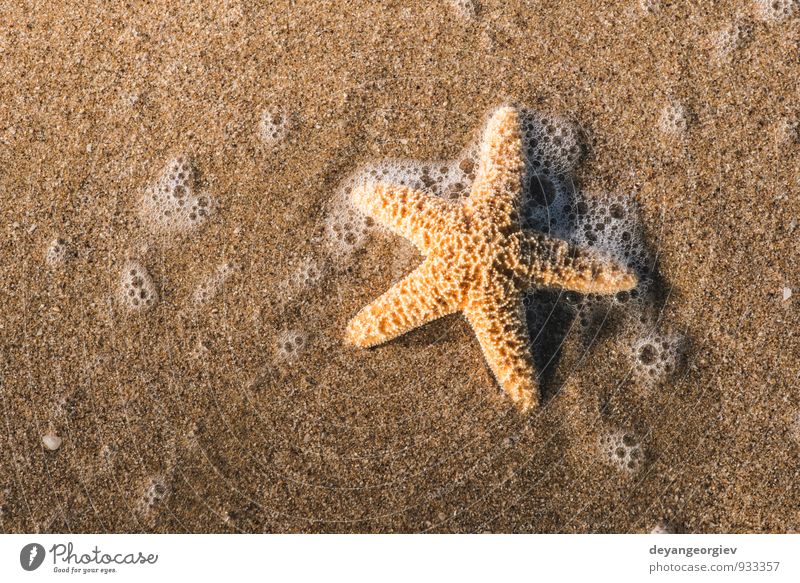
(502, 331)
(415, 215)
(549, 262)
(416, 299)
(498, 182)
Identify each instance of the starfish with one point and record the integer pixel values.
(478, 261)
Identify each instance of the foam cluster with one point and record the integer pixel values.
(624, 450)
(308, 273)
(290, 343)
(650, 6)
(211, 284)
(171, 203)
(664, 527)
(605, 222)
(155, 492)
(57, 252)
(656, 356)
(272, 127)
(777, 10)
(788, 131)
(552, 144)
(465, 8)
(608, 222)
(346, 227)
(137, 290)
(674, 119)
(734, 38)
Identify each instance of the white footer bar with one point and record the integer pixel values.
(370, 558)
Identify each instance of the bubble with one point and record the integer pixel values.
(346, 227)
(733, 38)
(137, 290)
(108, 453)
(776, 10)
(308, 273)
(656, 356)
(552, 144)
(795, 426)
(467, 9)
(609, 223)
(290, 344)
(171, 205)
(623, 449)
(272, 127)
(788, 131)
(233, 12)
(650, 6)
(664, 527)
(156, 492)
(674, 118)
(57, 252)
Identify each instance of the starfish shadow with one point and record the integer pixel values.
(554, 204)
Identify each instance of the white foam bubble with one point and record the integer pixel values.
(171, 205)
(108, 454)
(733, 38)
(137, 290)
(609, 223)
(346, 227)
(664, 527)
(308, 272)
(656, 356)
(156, 491)
(290, 344)
(552, 144)
(467, 9)
(273, 127)
(650, 6)
(674, 118)
(604, 222)
(788, 131)
(52, 441)
(57, 252)
(777, 10)
(623, 449)
(795, 426)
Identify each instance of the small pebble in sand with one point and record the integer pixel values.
(787, 293)
(52, 441)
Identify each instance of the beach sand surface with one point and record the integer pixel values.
(226, 401)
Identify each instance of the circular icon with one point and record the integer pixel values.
(31, 556)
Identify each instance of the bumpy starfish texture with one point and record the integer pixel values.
(478, 261)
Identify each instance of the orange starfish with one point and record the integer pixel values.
(478, 261)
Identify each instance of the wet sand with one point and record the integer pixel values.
(240, 409)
